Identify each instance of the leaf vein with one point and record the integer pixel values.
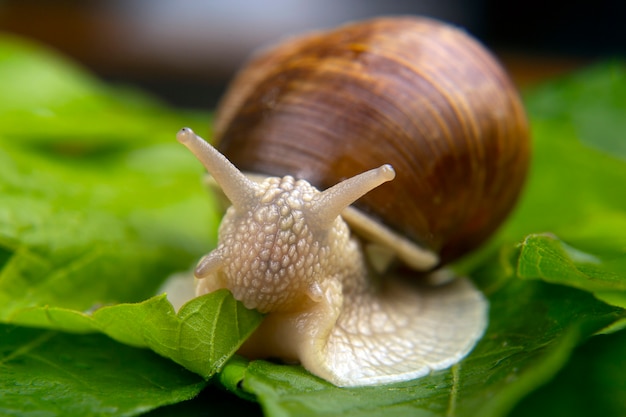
(28, 347)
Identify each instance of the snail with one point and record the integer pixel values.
(415, 123)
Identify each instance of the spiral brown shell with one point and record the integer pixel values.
(413, 92)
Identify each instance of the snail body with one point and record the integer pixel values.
(428, 106)
(284, 250)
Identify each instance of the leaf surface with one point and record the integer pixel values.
(527, 342)
(50, 373)
(592, 383)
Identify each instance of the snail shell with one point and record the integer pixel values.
(412, 92)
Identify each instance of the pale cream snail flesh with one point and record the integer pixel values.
(284, 249)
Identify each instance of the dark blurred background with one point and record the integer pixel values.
(185, 51)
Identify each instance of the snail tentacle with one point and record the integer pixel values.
(209, 264)
(331, 202)
(238, 188)
(398, 246)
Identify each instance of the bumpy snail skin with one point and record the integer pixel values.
(285, 250)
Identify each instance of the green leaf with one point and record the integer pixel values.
(102, 212)
(194, 338)
(526, 344)
(602, 273)
(86, 231)
(54, 104)
(590, 102)
(99, 202)
(204, 334)
(548, 258)
(575, 190)
(51, 373)
(214, 402)
(593, 383)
